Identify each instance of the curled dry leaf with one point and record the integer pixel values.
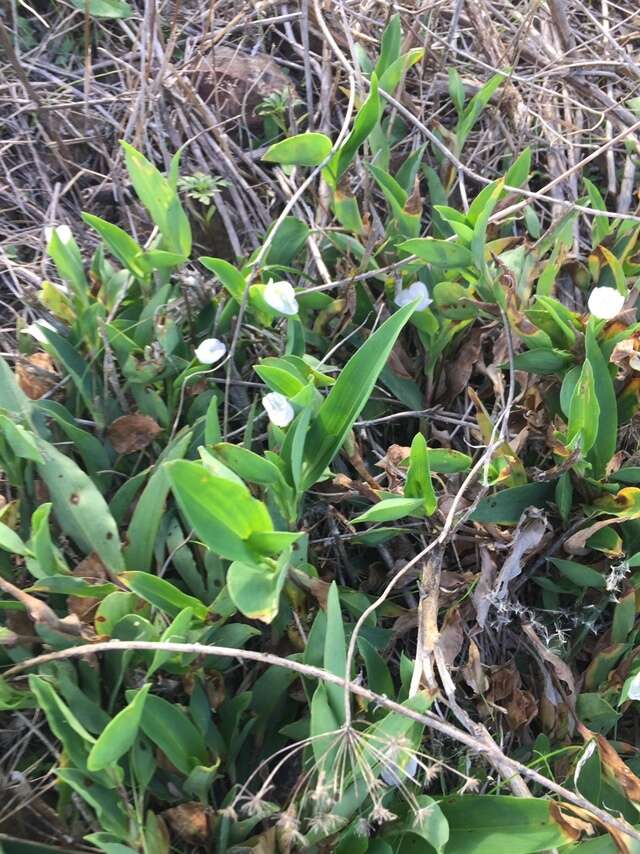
(527, 538)
(92, 569)
(36, 375)
(451, 636)
(473, 671)
(576, 544)
(190, 822)
(558, 666)
(484, 586)
(573, 826)
(131, 433)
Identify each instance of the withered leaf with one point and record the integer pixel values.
(131, 433)
(190, 822)
(527, 537)
(36, 375)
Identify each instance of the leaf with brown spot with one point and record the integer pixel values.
(618, 772)
(131, 433)
(573, 826)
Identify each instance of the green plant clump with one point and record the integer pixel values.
(224, 502)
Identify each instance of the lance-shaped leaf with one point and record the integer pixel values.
(348, 397)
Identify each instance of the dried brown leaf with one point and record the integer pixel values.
(131, 433)
(36, 375)
(190, 822)
(527, 538)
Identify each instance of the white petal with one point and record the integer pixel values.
(280, 296)
(63, 233)
(398, 770)
(210, 351)
(416, 291)
(605, 303)
(278, 409)
(633, 691)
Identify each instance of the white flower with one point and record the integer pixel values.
(281, 297)
(399, 770)
(605, 303)
(210, 351)
(63, 232)
(416, 291)
(278, 409)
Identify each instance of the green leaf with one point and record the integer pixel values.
(106, 802)
(247, 465)
(176, 632)
(390, 509)
(475, 107)
(20, 441)
(446, 461)
(518, 172)
(92, 452)
(428, 823)
(584, 412)
(255, 588)
(223, 514)
(440, 253)
(335, 651)
(232, 279)
(79, 507)
(364, 123)
(455, 301)
(389, 44)
(12, 398)
(484, 824)
(11, 542)
(395, 73)
(160, 199)
(348, 397)
(378, 676)
(119, 734)
(419, 483)
(65, 253)
(543, 360)
(71, 585)
(104, 8)
(124, 247)
(605, 444)
(150, 509)
(62, 722)
(578, 574)
(84, 379)
(48, 559)
(305, 149)
(627, 474)
(506, 506)
(600, 225)
(162, 594)
(168, 727)
(289, 239)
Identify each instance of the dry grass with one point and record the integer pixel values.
(71, 87)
